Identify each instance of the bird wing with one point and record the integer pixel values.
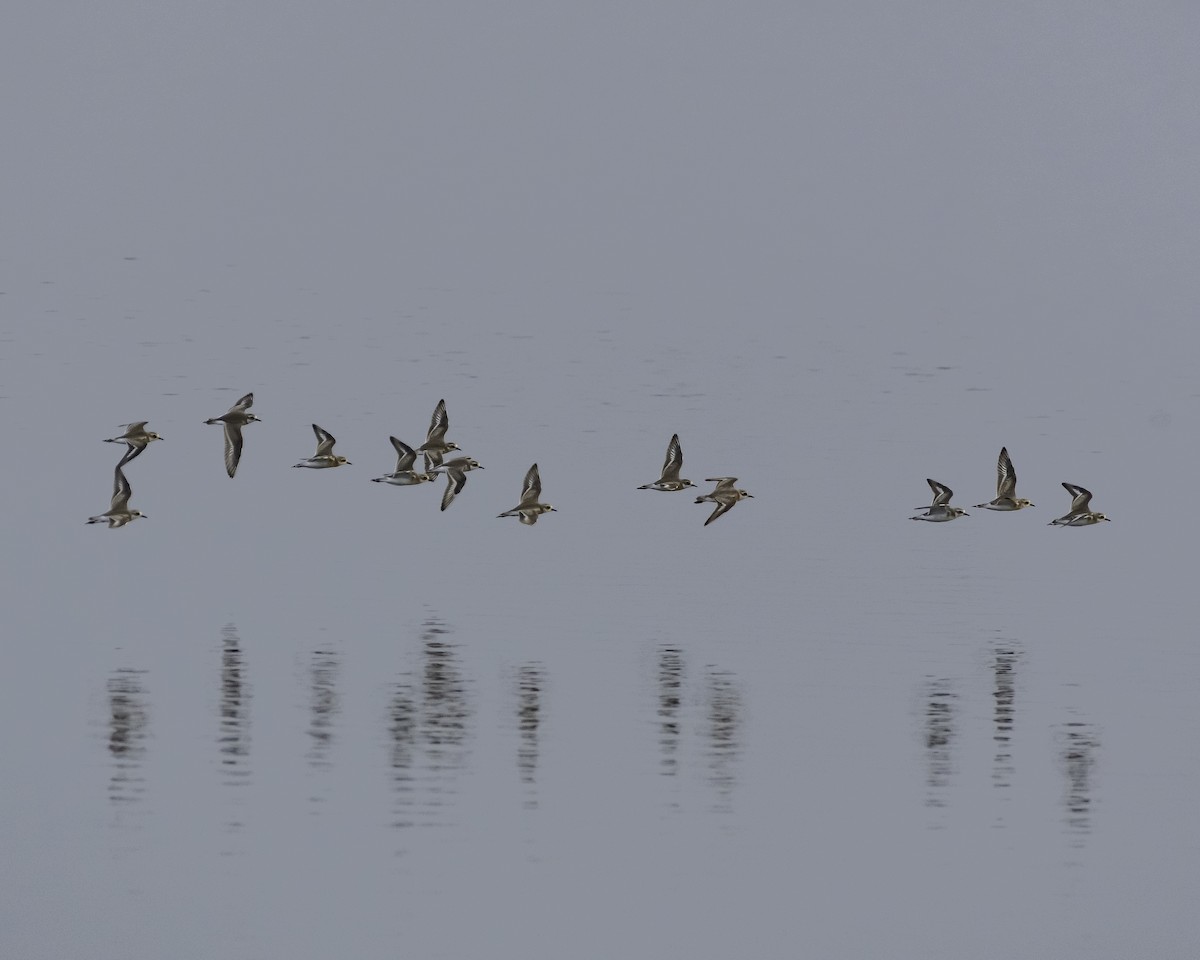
(325, 442)
(455, 481)
(439, 424)
(1006, 476)
(405, 455)
(233, 447)
(723, 507)
(1080, 498)
(121, 492)
(531, 489)
(941, 492)
(723, 483)
(674, 462)
(132, 451)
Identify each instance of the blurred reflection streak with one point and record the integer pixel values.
(233, 738)
(670, 683)
(724, 706)
(1004, 694)
(939, 733)
(1079, 757)
(444, 714)
(531, 680)
(128, 721)
(324, 706)
(402, 729)
(428, 727)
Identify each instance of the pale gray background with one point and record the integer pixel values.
(838, 247)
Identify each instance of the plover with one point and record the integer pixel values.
(1006, 487)
(237, 417)
(669, 481)
(940, 510)
(119, 513)
(528, 510)
(1079, 514)
(324, 457)
(456, 476)
(404, 474)
(136, 437)
(435, 446)
(724, 495)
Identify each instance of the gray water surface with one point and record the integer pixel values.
(837, 249)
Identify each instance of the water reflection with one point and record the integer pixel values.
(670, 682)
(724, 709)
(233, 733)
(128, 722)
(1078, 755)
(324, 707)
(429, 729)
(719, 724)
(402, 736)
(531, 681)
(1004, 665)
(938, 735)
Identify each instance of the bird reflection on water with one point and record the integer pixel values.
(531, 682)
(324, 707)
(1080, 742)
(670, 680)
(233, 730)
(719, 724)
(724, 709)
(940, 731)
(128, 725)
(1004, 664)
(429, 729)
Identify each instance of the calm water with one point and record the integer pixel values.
(299, 714)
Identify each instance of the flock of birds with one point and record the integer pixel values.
(1080, 514)
(434, 450)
